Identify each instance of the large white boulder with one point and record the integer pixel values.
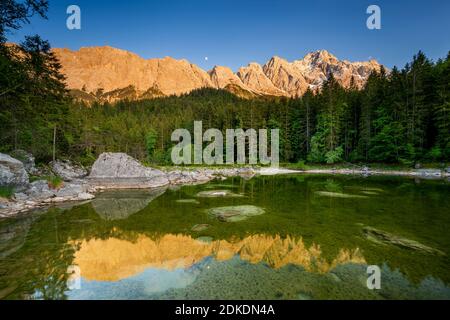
(119, 170)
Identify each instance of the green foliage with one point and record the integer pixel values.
(300, 165)
(316, 154)
(6, 192)
(35, 178)
(400, 117)
(16, 13)
(435, 154)
(150, 142)
(335, 155)
(54, 182)
(33, 97)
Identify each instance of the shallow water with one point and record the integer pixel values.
(284, 237)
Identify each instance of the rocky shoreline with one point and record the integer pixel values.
(110, 171)
(120, 171)
(418, 173)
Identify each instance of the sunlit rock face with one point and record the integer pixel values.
(114, 259)
(317, 66)
(120, 204)
(110, 74)
(285, 76)
(253, 76)
(223, 76)
(106, 68)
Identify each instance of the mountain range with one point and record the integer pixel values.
(110, 74)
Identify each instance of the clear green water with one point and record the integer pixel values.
(308, 244)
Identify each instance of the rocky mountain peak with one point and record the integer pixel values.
(119, 74)
(276, 61)
(254, 77)
(224, 76)
(320, 56)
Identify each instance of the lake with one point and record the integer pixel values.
(269, 237)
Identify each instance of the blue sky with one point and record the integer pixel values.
(234, 33)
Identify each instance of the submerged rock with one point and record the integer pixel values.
(339, 195)
(370, 193)
(119, 170)
(12, 172)
(373, 189)
(384, 237)
(303, 296)
(193, 201)
(235, 213)
(217, 193)
(200, 227)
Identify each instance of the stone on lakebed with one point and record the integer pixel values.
(200, 227)
(235, 213)
(217, 193)
(193, 201)
(339, 195)
(383, 237)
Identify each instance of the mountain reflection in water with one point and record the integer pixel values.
(114, 259)
(315, 240)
